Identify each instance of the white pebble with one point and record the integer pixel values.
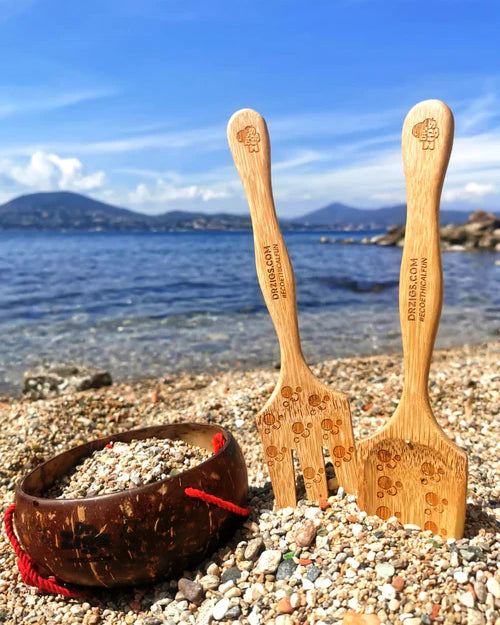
(461, 577)
(494, 587)
(356, 529)
(269, 560)
(388, 592)
(220, 609)
(323, 582)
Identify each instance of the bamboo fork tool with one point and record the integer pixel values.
(410, 469)
(302, 413)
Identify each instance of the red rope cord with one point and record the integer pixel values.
(218, 442)
(217, 501)
(27, 567)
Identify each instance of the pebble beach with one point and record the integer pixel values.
(330, 564)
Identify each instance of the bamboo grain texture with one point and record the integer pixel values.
(302, 413)
(411, 469)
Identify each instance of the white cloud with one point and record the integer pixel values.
(164, 192)
(49, 171)
(471, 191)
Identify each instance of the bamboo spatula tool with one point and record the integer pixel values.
(302, 414)
(411, 469)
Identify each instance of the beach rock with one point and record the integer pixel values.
(254, 548)
(220, 609)
(305, 533)
(232, 574)
(483, 217)
(467, 599)
(482, 231)
(383, 569)
(453, 234)
(394, 234)
(269, 560)
(481, 591)
(192, 591)
(58, 379)
(474, 617)
(493, 587)
(285, 569)
(284, 606)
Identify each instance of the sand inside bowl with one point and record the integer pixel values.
(121, 466)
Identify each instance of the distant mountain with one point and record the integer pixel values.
(339, 216)
(63, 210)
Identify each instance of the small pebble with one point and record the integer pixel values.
(269, 560)
(461, 577)
(493, 587)
(193, 591)
(220, 609)
(232, 574)
(254, 548)
(383, 569)
(467, 599)
(305, 533)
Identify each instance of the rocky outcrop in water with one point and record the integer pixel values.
(481, 232)
(58, 379)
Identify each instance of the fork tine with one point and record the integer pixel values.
(283, 478)
(312, 464)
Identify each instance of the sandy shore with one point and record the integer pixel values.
(353, 564)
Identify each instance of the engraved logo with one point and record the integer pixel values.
(427, 132)
(250, 138)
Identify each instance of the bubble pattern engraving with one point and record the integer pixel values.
(303, 420)
(424, 469)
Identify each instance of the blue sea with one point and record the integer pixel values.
(154, 304)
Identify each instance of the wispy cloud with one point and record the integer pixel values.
(477, 112)
(12, 103)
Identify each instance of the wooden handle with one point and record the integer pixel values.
(249, 142)
(427, 140)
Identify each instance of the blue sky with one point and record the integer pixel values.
(127, 100)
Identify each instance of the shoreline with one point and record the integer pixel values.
(339, 572)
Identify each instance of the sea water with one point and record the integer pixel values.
(152, 304)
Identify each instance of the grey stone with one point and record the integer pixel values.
(232, 574)
(481, 591)
(285, 569)
(471, 554)
(341, 557)
(233, 613)
(312, 573)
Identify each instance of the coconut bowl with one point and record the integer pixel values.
(136, 535)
